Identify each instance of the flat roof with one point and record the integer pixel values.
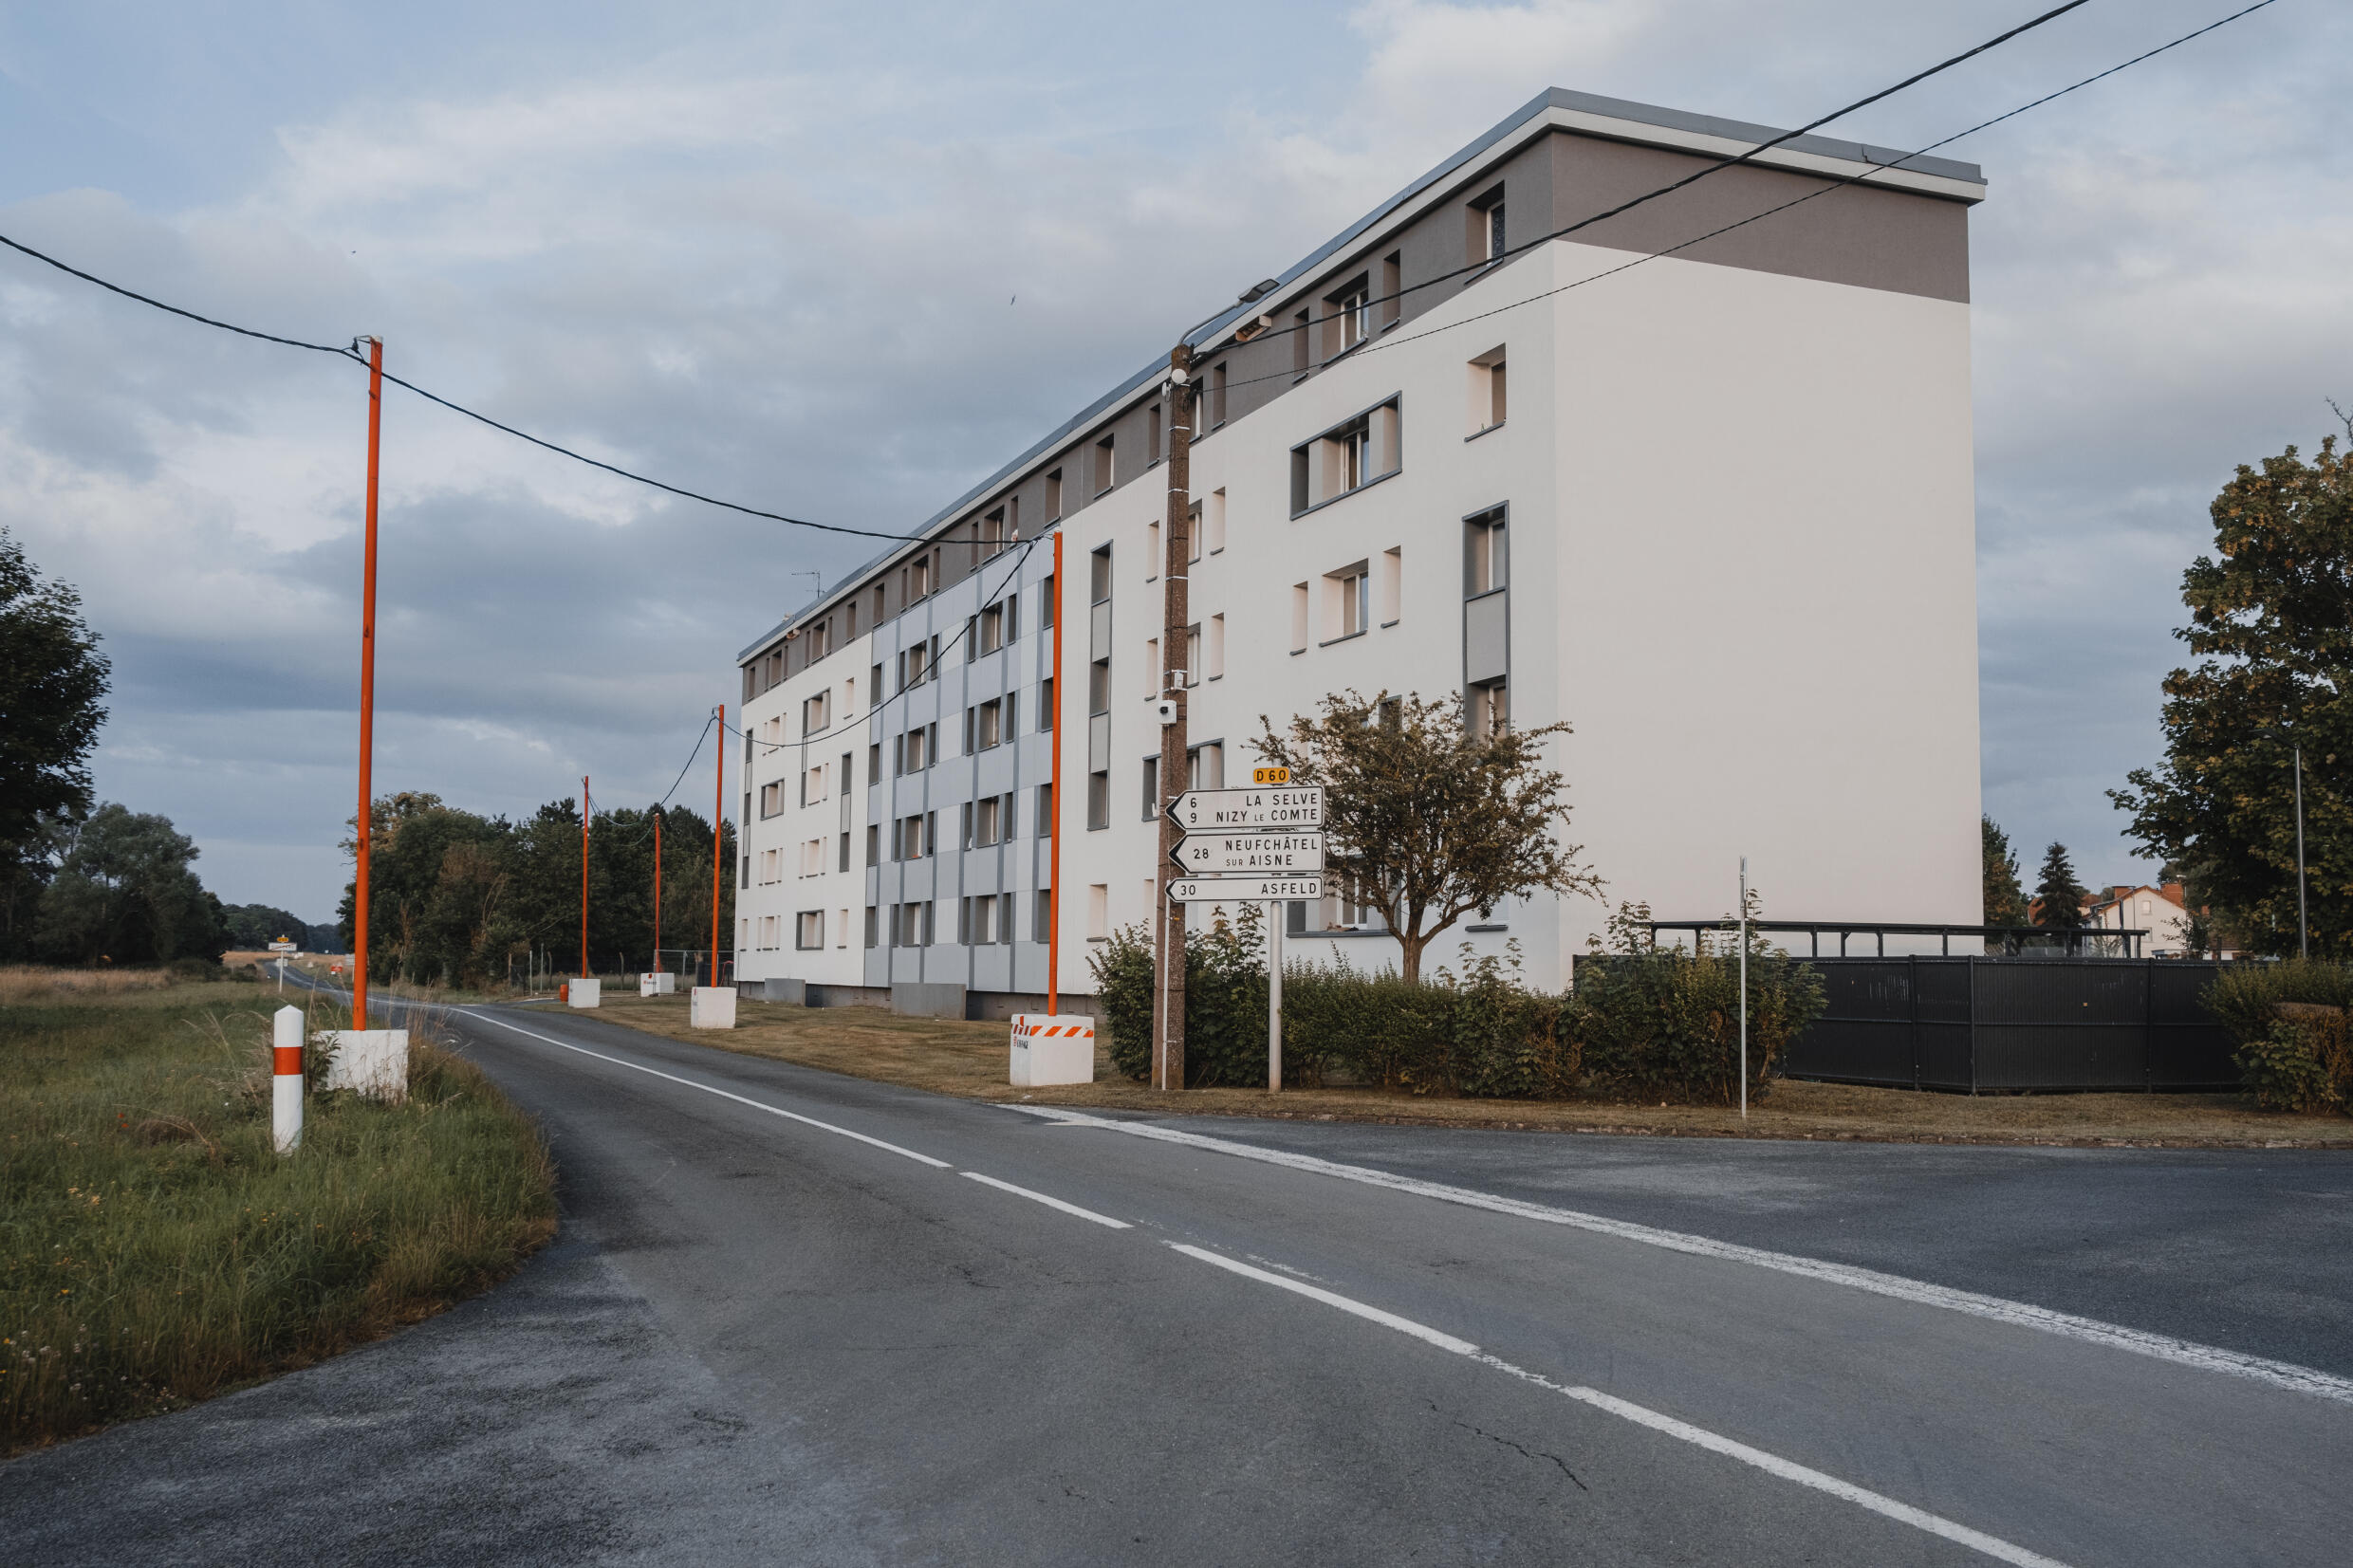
(1587, 104)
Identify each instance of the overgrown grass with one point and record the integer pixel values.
(154, 1248)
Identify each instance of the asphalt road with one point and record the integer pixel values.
(808, 1318)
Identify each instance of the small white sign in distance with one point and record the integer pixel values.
(1243, 890)
(1229, 810)
(282, 946)
(1248, 854)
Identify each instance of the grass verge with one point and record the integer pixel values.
(154, 1248)
(969, 1061)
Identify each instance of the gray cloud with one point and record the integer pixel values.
(776, 256)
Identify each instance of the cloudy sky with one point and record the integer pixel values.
(842, 261)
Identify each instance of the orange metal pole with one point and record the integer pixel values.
(1053, 824)
(583, 877)
(718, 815)
(658, 820)
(367, 692)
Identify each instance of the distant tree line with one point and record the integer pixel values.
(459, 898)
(78, 885)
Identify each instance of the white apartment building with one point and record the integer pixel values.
(1710, 503)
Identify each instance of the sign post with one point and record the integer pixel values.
(1260, 844)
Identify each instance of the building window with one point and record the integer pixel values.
(1193, 655)
(1205, 766)
(1045, 810)
(813, 784)
(1301, 326)
(1152, 788)
(1485, 555)
(841, 931)
(1392, 289)
(1152, 434)
(1054, 495)
(1347, 602)
(874, 847)
(1045, 602)
(1097, 800)
(1099, 687)
(1042, 915)
(992, 533)
(1152, 552)
(1193, 529)
(845, 851)
(1103, 468)
(919, 579)
(818, 636)
(772, 798)
(813, 857)
(1213, 651)
(1391, 585)
(989, 730)
(1299, 617)
(1213, 522)
(991, 818)
(1347, 457)
(1046, 703)
(1483, 227)
(1099, 575)
(808, 929)
(992, 629)
(1488, 391)
(873, 924)
(1099, 912)
(1152, 668)
(1217, 395)
(1490, 708)
(1351, 316)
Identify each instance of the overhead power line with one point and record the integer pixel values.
(1838, 183)
(1693, 178)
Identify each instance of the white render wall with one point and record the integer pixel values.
(1742, 565)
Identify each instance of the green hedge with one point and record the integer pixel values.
(2289, 1021)
(1662, 1025)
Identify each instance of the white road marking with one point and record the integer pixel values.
(1333, 1298)
(2162, 1347)
(772, 1109)
(1772, 1464)
(1049, 1202)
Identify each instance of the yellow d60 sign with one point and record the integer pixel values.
(1270, 775)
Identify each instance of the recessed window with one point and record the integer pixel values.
(1152, 434)
(991, 629)
(1213, 651)
(817, 712)
(1490, 708)
(1390, 590)
(1152, 788)
(1099, 575)
(1301, 326)
(1217, 395)
(1489, 401)
(1392, 301)
(808, 929)
(1483, 227)
(1099, 687)
(1347, 457)
(1054, 495)
(1103, 467)
(1351, 319)
(1193, 655)
(1214, 521)
(1097, 800)
(1098, 912)
(1194, 529)
(1299, 617)
(1347, 601)
(1485, 555)
(993, 532)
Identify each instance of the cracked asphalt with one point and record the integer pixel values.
(796, 1318)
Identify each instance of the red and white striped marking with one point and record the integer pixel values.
(1053, 1048)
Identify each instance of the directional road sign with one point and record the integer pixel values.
(281, 945)
(1243, 890)
(1248, 854)
(1284, 808)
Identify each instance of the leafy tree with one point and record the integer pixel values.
(124, 893)
(2271, 627)
(52, 678)
(2059, 896)
(2005, 901)
(256, 926)
(1429, 820)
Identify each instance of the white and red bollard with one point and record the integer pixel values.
(285, 1082)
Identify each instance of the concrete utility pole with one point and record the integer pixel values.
(1168, 1022)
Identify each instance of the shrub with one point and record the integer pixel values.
(2289, 1021)
(1663, 1023)
(1225, 1004)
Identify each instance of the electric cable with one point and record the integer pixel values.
(1718, 167)
(1834, 184)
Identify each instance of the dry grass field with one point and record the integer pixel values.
(969, 1061)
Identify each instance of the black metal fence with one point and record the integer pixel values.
(2010, 1024)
